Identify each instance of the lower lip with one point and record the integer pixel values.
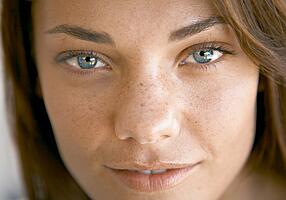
(153, 182)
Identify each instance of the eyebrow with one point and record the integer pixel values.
(195, 28)
(105, 38)
(83, 34)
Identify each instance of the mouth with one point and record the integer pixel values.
(151, 178)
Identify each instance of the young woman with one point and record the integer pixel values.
(176, 99)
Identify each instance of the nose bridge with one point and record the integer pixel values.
(146, 112)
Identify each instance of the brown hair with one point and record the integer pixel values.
(260, 27)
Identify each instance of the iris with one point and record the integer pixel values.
(86, 62)
(203, 56)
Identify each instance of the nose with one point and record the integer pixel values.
(147, 113)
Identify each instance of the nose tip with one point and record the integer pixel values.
(145, 128)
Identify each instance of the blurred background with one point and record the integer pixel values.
(10, 176)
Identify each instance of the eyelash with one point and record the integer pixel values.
(215, 46)
(64, 56)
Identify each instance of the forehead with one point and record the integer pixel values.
(119, 17)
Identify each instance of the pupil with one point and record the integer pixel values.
(202, 53)
(87, 59)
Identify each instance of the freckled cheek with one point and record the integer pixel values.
(81, 122)
(225, 119)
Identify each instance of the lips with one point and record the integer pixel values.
(151, 177)
(158, 171)
(147, 166)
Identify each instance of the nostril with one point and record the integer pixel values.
(164, 136)
(142, 137)
(144, 126)
(123, 136)
(154, 140)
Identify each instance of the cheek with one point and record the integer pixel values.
(81, 118)
(227, 118)
(222, 118)
(221, 109)
(231, 126)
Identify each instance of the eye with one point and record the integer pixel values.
(202, 56)
(85, 62)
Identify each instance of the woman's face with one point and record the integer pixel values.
(146, 85)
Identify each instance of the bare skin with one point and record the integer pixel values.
(149, 100)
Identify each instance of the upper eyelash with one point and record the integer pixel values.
(219, 46)
(68, 54)
(63, 56)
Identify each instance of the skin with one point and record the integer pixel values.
(146, 108)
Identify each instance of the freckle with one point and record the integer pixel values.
(141, 84)
(142, 104)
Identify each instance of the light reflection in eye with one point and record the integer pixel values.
(206, 55)
(200, 55)
(85, 62)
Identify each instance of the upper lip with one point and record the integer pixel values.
(148, 166)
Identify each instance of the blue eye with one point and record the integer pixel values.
(85, 62)
(203, 56)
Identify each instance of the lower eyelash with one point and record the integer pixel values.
(208, 67)
(63, 56)
(216, 46)
(86, 72)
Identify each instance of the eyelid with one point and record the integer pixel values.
(222, 47)
(63, 56)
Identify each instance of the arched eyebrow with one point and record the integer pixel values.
(105, 38)
(83, 34)
(195, 28)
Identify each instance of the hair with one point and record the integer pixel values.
(260, 27)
